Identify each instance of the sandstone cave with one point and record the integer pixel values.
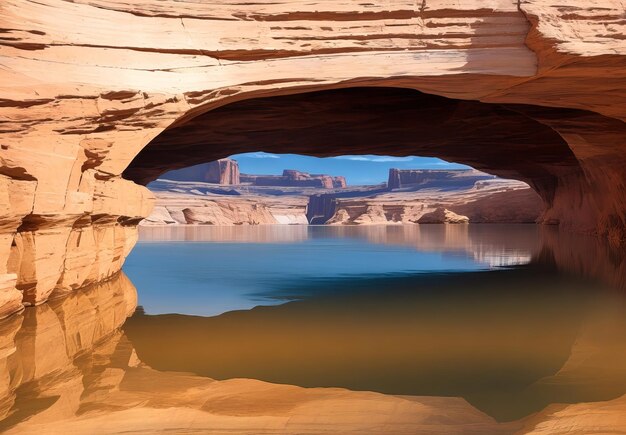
(522, 142)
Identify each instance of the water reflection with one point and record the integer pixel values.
(525, 349)
(225, 275)
(43, 368)
(68, 368)
(494, 338)
(494, 245)
(482, 241)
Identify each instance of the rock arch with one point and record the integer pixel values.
(77, 107)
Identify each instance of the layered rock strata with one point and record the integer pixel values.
(222, 171)
(497, 201)
(293, 178)
(42, 348)
(491, 201)
(425, 178)
(189, 203)
(226, 172)
(93, 90)
(442, 216)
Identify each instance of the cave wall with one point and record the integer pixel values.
(86, 85)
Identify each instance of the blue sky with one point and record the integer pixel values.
(365, 169)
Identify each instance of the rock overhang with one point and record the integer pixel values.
(77, 107)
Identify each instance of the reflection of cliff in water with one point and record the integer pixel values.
(47, 351)
(67, 368)
(515, 344)
(491, 244)
(477, 240)
(499, 339)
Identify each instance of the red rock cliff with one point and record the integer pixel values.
(293, 178)
(423, 178)
(222, 171)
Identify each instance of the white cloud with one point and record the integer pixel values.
(372, 158)
(262, 155)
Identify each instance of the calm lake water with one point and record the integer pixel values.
(212, 270)
(489, 325)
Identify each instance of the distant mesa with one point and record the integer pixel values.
(293, 178)
(226, 172)
(415, 196)
(432, 178)
(223, 171)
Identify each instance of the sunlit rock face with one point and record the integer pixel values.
(294, 178)
(223, 171)
(420, 178)
(91, 90)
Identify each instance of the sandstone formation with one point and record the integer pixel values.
(293, 178)
(226, 172)
(43, 346)
(425, 178)
(189, 203)
(490, 201)
(339, 182)
(96, 94)
(222, 171)
(442, 216)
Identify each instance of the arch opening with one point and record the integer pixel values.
(504, 140)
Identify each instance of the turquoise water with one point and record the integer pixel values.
(205, 277)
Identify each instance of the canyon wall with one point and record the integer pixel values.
(222, 171)
(226, 172)
(481, 198)
(425, 178)
(493, 202)
(96, 95)
(185, 209)
(293, 178)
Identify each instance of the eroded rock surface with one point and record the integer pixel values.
(536, 90)
(193, 203)
(222, 171)
(442, 216)
(489, 201)
(492, 201)
(425, 178)
(294, 178)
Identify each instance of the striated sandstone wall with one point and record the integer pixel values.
(493, 202)
(425, 178)
(93, 89)
(226, 172)
(293, 178)
(222, 171)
